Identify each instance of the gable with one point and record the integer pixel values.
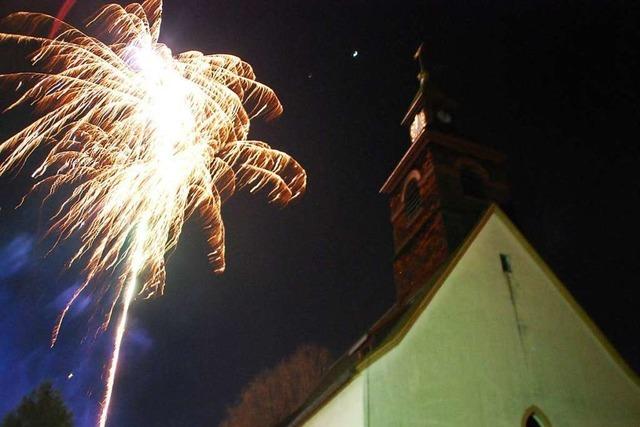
(486, 345)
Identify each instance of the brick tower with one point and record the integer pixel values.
(438, 189)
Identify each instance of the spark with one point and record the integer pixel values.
(354, 54)
(137, 260)
(140, 139)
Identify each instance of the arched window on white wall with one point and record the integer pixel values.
(534, 417)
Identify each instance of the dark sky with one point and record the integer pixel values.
(552, 85)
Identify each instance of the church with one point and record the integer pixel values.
(482, 332)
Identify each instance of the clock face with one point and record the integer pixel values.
(444, 116)
(418, 125)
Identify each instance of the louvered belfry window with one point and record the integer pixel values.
(412, 199)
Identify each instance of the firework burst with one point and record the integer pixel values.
(143, 139)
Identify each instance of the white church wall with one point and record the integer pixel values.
(481, 354)
(571, 375)
(487, 347)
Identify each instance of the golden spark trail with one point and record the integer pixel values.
(135, 140)
(137, 259)
(113, 364)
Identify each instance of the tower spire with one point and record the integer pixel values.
(423, 74)
(439, 188)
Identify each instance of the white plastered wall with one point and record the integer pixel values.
(488, 346)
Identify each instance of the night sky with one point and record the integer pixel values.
(553, 86)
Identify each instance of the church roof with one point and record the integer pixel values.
(392, 327)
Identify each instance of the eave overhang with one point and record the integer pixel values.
(445, 140)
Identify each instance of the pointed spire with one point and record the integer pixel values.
(423, 75)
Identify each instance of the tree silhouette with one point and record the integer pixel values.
(276, 392)
(44, 407)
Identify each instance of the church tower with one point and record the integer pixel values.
(438, 189)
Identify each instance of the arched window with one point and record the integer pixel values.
(412, 199)
(534, 417)
(472, 182)
(532, 421)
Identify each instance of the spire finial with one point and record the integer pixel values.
(423, 75)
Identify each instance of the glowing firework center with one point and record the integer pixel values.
(170, 104)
